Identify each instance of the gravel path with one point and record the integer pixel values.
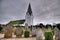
(18, 39)
(2, 38)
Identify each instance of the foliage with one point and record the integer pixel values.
(53, 32)
(26, 34)
(39, 25)
(58, 26)
(48, 36)
(0, 27)
(48, 25)
(54, 26)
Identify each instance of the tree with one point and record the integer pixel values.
(48, 25)
(0, 27)
(54, 26)
(41, 25)
(58, 26)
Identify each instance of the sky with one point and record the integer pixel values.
(44, 11)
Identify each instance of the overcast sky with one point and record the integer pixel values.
(44, 11)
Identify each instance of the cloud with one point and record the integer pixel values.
(45, 11)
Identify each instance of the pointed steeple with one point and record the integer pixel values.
(29, 10)
(29, 16)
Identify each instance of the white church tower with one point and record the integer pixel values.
(29, 16)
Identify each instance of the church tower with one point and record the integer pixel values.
(29, 16)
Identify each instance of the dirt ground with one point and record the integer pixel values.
(18, 39)
(14, 38)
(2, 38)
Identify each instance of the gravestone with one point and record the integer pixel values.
(7, 31)
(26, 26)
(33, 32)
(19, 32)
(57, 33)
(39, 34)
(14, 30)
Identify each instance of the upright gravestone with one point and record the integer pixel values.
(33, 32)
(19, 32)
(7, 31)
(39, 34)
(59, 35)
(26, 26)
(56, 32)
(14, 30)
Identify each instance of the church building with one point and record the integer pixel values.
(29, 16)
(28, 19)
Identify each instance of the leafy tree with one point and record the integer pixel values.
(0, 27)
(58, 26)
(41, 25)
(48, 25)
(54, 26)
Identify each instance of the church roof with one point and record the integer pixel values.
(17, 22)
(29, 10)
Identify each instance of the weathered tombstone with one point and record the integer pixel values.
(59, 35)
(26, 26)
(19, 32)
(39, 34)
(33, 32)
(56, 32)
(14, 30)
(7, 31)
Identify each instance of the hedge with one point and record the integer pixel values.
(48, 36)
(26, 34)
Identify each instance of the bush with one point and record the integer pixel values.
(53, 32)
(48, 36)
(1, 28)
(26, 34)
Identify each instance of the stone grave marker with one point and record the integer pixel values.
(33, 32)
(39, 34)
(14, 30)
(19, 32)
(57, 33)
(7, 31)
